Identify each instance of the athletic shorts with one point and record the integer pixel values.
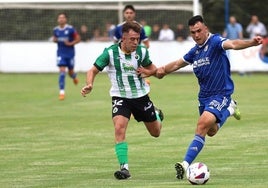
(142, 108)
(216, 105)
(65, 62)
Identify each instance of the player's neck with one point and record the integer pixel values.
(62, 25)
(126, 51)
(123, 49)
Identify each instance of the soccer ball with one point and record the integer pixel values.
(197, 173)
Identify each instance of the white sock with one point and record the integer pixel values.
(185, 164)
(124, 166)
(231, 110)
(62, 92)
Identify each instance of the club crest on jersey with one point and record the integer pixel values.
(206, 48)
(66, 32)
(137, 57)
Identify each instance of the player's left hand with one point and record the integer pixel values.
(67, 43)
(146, 71)
(142, 72)
(86, 90)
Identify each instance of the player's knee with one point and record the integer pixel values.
(213, 131)
(211, 134)
(155, 133)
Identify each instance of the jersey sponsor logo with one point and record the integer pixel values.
(201, 62)
(128, 67)
(62, 39)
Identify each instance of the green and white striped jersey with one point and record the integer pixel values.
(121, 69)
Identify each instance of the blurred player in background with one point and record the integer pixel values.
(66, 37)
(212, 69)
(129, 90)
(129, 14)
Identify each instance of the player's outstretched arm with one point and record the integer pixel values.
(170, 67)
(91, 74)
(242, 44)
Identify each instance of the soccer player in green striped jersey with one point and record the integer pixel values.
(129, 91)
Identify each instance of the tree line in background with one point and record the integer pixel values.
(37, 24)
(214, 12)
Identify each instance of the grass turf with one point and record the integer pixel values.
(45, 142)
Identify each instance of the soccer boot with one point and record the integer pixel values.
(61, 97)
(75, 80)
(160, 113)
(122, 174)
(237, 114)
(180, 171)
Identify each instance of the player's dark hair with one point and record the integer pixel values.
(192, 21)
(131, 25)
(63, 13)
(131, 7)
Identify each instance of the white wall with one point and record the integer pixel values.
(41, 56)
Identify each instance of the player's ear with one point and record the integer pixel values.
(123, 36)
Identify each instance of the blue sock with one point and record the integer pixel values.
(73, 75)
(62, 80)
(194, 148)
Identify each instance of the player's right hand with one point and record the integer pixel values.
(86, 90)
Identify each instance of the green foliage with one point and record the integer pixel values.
(214, 12)
(37, 24)
(50, 143)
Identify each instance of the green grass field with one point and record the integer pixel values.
(45, 142)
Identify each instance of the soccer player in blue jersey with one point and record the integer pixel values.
(129, 14)
(212, 69)
(66, 37)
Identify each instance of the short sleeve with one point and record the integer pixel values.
(102, 61)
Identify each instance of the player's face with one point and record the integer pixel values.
(199, 33)
(129, 15)
(130, 41)
(62, 20)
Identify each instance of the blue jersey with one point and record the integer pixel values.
(118, 32)
(67, 33)
(211, 67)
